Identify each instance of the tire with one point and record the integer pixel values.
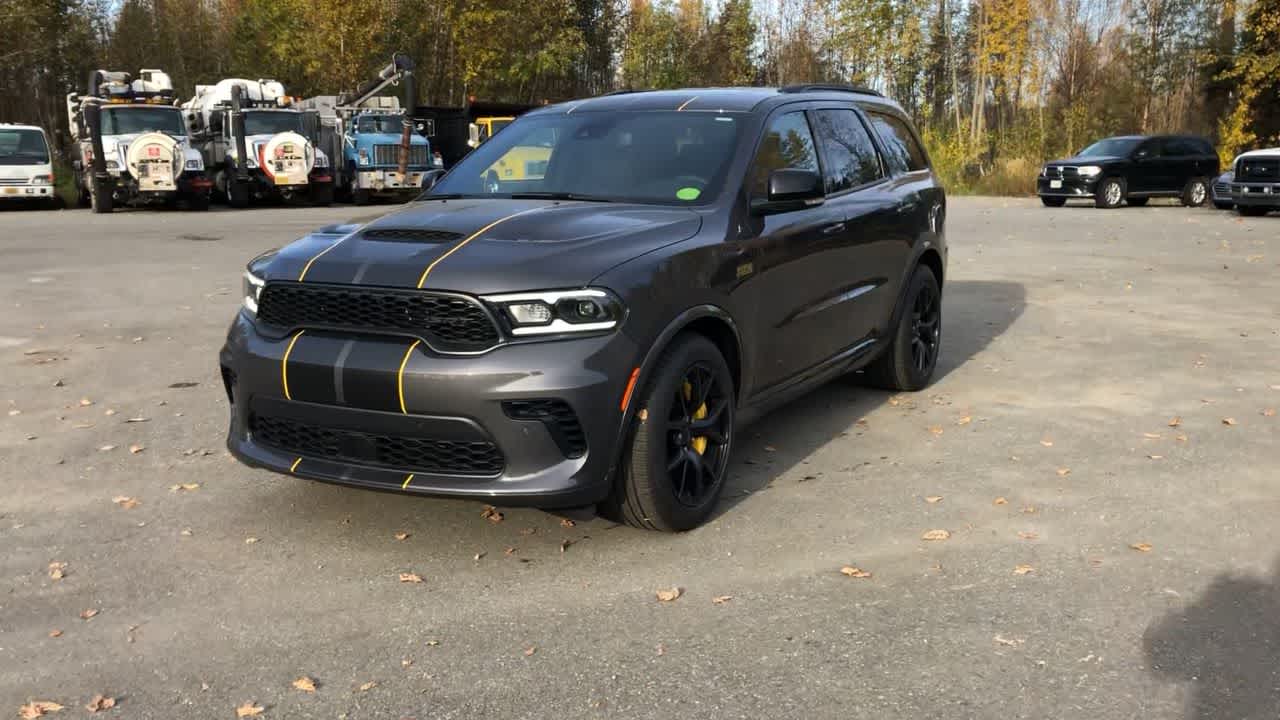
(322, 195)
(1050, 201)
(1195, 192)
(360, 196)
(237, 193)
(1251, 211)
(1110, 193)
(100, 199)
(1137, 202)
(899, 367)
(1223, 205)
(198, 202)
(665, 482)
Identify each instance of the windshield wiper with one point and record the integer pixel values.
(556, 196)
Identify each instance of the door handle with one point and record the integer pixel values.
(907, 207)
(833, 228)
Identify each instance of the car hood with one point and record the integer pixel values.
(1262, 152)
(1091, 160)
(484, 246)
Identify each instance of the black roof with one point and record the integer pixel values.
(734, 99)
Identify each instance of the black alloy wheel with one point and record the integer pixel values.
(697, 437)
(911, 353)
(926, 328)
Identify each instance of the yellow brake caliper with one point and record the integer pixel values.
(698, 443)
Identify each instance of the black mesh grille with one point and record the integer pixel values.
(410, 235)
(1258, 170)
(559, 418)
(390, 155)
(400, 452)
(448, 323)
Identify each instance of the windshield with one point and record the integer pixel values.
(270, 122)
(129, 120)
(379, 124)
(23, 147)
(653, 157)
(1113, 147)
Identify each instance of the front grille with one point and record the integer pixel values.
(390, 155)
(559, 419)
(410, 235)
(447, 323)
(399, 452)
(1222, 189)
(1258, 170)
(1053, 172)
(1058, 172)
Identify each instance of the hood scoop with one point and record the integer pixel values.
(410, 235)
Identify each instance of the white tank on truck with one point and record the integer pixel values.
(257, 143)
(133, 144)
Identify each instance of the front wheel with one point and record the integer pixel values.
(909, 361)
(322, 194)
(198, 201)
(1195, 192)
(674, 467)
(1050, 201)
(1110, 194)
(361, 196)
(237, 192)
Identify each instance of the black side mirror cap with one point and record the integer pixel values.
(429, 180)
(790, 189)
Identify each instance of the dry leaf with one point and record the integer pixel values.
(407, 662)
(530, 650)
(249, 710)
(100, 703)
(1006, 641)
(55, 633)
(1175, 421)
(935, 429)
(854, 572)
(1000, 501)
(38, 708)
(936, 535)
(1023, 569)
(566, 523)
(721, 599)
(964, 420)
(1028, 535)
(491, 514)
(1151, 436)
(106, 448)
(1269, 412)
(932, 499)
(305, 684)
(1228, 421)
(1046, 442)
(250, 540)
(529, 531)
(1141, 547)
(186, 532)
(126, 502)
(109, 412)
(56, 570)
(1029, 510)
(183, 486)
(138, 420)
(86, 614)
(662, 649)
(1155, 457)
(85, 402)
(509, 551)
(135, 449)
(1063, 472)
(402, 536)
(369, 686)
(408, 577)
(564, 544)
(668, 595)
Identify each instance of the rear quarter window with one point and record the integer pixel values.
(902, 150)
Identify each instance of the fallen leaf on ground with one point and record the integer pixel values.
(1155, 457)
(15, 412)
(1228, 421)
(1023, 569)
(567, 523)
(936, 535)
(491, 514)
(249, 710)
(183, 486)
(305, 684)
(509, 551)
(106, 448)
(126, 502)
(109, 412)
(55, 633)
(854, 572)
(1000, 501)
(38, 708)
(138, 420)
(479, 555)
(721, 599)
(1047, 443)
(85, 402)
(135, 449)
(964, 420)
(1141, 547)
(1151, 436)
(1029, 510)
(931, 499)
(1028, 535)
(409, 577)
(530, 650)
(1175, 421)
(100, 703)
(935, 429)
(1063, 472)
(86, 614)
(433, 643)
(186, 532)
(662, 649)
(1269, 412)
(529, 531)
(369, 686)
(407, 662)
(250, 540)
(564, 545)
(1006, 641)
(402, 536)
(180, 385)
(668, 595)
(56, 570)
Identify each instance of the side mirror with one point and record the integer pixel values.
(431, 177)
(473, 135)
(790, 189)
(1142, 155)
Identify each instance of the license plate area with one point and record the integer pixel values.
(1055, 184)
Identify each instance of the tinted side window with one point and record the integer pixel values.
(902, 152)
(788, 143)
(1176, 147)
(849, 155)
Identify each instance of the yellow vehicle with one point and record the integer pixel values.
(526, 161)
(487, 126)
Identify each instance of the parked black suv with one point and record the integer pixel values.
(1132, 168)
(667, 265)
(1255, 183)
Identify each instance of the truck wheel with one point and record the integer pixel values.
(237, 193)
(100, 197)
(198, 202)
(1195, 192)
(322, 195)
(360, 196)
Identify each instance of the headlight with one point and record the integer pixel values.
(252, 289)
(42, 180)
(195, 164)
(1088, 170)
(556, 312)
(113, 165)
(322, 160)
(364, 156)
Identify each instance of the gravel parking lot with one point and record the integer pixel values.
(1101, 446)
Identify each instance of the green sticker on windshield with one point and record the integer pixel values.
(688, 193)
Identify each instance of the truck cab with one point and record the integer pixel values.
(371, 145)
(26, 170)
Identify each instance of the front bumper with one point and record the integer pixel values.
(368, 411)
(1255, 194)
(1068, 187)
(389, 181)
(26, 192)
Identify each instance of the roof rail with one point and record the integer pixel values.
(830, 87)
(622, 91)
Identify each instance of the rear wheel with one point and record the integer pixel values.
(322, 194)
(1110, 193)
(674, 467)
(912, 355)
(1050, 201)
(198, 202)
(1195, 192)
(1250, 211)
(361, 196)
(1137, 202)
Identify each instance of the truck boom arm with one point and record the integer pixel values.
(400, 70)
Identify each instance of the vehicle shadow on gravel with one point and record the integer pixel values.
(974, 314)
(1227, 646)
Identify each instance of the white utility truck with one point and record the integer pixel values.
(26, 170)
(132, 144)
(257, 144)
